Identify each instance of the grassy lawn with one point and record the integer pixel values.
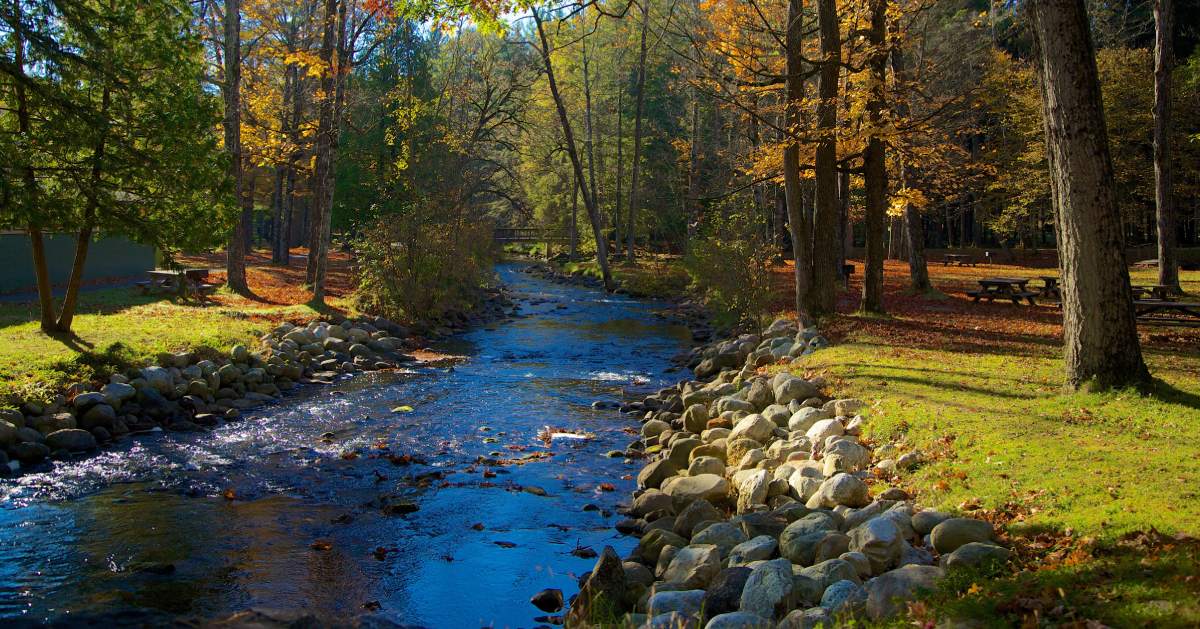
(1078, 480)
(119, 327)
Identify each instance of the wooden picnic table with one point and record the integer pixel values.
(183, 281)
(1158, 292)
(1014, 288)
(961, 259)
(1050, 289)
(1167, 312)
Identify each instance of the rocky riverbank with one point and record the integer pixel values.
(195, 391)
(763, 504)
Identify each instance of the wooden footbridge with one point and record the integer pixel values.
(505, 235)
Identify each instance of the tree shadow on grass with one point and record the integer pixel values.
(1164, 392)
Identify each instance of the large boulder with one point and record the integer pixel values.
(768, 591)
(695, 418)
(880, 540)
(954, 532)
(751, 550)
(753, 490)
(694, 566)
(804, 418)
(724, 535)
(811, 582)
(695, 513)
(653, 475)
(71, 439)
(889, 592)
(654, 541)
(158, 379)
(841, 489)
(684, 602)
(725, 592)
(759, 394)
(708, 487)
(754, 427)
(790, 388)
(844, 597)
(603, 592)
(99, 415)
(739, 620)
(975, 554)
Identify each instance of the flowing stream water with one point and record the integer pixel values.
(271, 512)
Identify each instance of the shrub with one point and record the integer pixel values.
(422, 262)
(730, 264)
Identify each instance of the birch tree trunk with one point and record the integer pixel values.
(1164, 63)
(1099, 327)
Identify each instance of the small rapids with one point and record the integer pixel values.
(308, 505)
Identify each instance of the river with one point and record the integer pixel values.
(282, 510)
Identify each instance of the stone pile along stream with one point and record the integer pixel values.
(188, 391)
(754, 509)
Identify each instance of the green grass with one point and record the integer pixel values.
(660, 277)
(115, 329)
(1075, 473)
(1001, 431)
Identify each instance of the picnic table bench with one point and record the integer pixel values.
(1167, 312)
(1014, 288)
(1157, 292)
(961, 259)
(1050, 289)
(187, 282)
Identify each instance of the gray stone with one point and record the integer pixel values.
(605, 588)
(685, 602)
(804, 418)
(879, 539)
(708, 487)
(723, 535)
(71, 439)
(681, 450)
(12, 416)
(754, 427)
(841, 489)
(778, 414)
(694, 566)
(793, 388)
(760, 394)
(28, 452)
(653, 475)
(888, 593)
(97, 416)
(947, 536)
(669, 620)
(861, 564)
(756, 549)
(739, 620)
(974, 554)
(853, 457)
(695, 513)
(650, 501)
(812, 581)
(637, 574)
(706, 465)
(8, 433)
(84, 401)
(911, 555)
(695, 418)
(811, 618)
(823, 429)
(725, 592)
(117, 392)
(831, 547)
(654, 428)
(844, 597)
(753, 490)
(768, 591)
(653, 542)
(158, 379)
(924, 521)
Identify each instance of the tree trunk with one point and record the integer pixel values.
(1099, 327)
(875, 165)
(693, 201)
(587, 121)
(235, 253)
(631, 223)
(36, 244)
(825, 270)
(798, 226)
(574, 222)
(918, 270)
(327, 124)
(617, 197)
(589, 203)
(1164, 63)
(278, 241)
(845, 233)
(83, 239)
